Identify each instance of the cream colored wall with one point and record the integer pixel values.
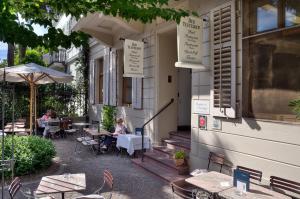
(273, 148)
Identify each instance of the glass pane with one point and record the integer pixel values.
(271, 75)
(292, 13)
(266, 15)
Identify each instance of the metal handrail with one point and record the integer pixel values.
(142, 129)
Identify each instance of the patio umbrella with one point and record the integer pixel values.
(34, 75)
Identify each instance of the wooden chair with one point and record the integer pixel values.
(16, 186)
(108, 181)
(283, 185)
(254, 174)
(184, 189)
(216, 159)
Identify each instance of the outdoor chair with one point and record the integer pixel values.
(54, 128)
(287, 187)
(216, 159)
(183, 189)
(108, 182)
(16, 187)
(254, 174)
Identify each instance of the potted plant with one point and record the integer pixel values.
(179, 158)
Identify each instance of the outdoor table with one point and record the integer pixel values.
(61, 184)
(95, 133)
(255, 191)
(211, 182)
(132, 142)
(16, 126)
(80, 126)
(16, 130)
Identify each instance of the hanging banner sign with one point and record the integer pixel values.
(133, 58)
(189, 43)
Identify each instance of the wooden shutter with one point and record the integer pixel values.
(113, 78)
(223, 38)
(137, 93)
(106, 84)
(92, 82)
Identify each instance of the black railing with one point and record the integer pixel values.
(159, 112)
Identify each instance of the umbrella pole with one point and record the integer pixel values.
(35, 123)
(31, 106)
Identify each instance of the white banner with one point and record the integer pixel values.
(133, 58)
(189, 43)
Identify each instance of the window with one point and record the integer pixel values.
(271, 63)
(100, 81)
(127, 90)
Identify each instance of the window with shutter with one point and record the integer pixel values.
(106, 77)
(113, 78)
(92, 82)
(223, 33)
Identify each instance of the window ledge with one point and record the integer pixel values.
(274, 121)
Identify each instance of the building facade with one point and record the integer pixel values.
(251, 59)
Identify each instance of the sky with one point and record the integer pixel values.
(39, 30)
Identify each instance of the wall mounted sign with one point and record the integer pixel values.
(202, 122)
(216, 124)
(189, 43)
(133, 58)
(201, 107)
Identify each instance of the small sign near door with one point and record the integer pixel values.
(201, 107)
(203, 122)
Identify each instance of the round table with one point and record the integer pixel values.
(81, 125)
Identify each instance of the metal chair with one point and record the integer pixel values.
(216, 159)
(108, 181)
(54, 128)
(16, 186)
(254, 174)
(184, 189)
(287, 187)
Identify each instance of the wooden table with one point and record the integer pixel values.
(61, 184)
(255, 191)
(16, 130)
(95, 133)
(80, 126)
(211, 182)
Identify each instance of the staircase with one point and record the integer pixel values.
(160, 162)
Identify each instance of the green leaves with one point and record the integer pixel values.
(295, 104)
(109, 117)
(44, 12)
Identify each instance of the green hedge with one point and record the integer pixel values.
(32, 153)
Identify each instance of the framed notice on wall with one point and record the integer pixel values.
(133, 58)
(202, 122)
(189, 43)
(201, 107)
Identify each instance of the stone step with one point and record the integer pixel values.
(177, 145)
(163, 149)
(159, 170)
(180, 135)
(161, 158)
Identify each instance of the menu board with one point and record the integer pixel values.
(133, 58)
(189, 42)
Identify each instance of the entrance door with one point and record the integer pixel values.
(184, 84)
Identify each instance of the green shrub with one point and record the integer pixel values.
(295, 104)
(179, 155)
(31, 153)
(109, 117)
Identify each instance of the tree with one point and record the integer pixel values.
(44, 12)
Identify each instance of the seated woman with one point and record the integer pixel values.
(119, 129)
(49, 128)
(44, 119)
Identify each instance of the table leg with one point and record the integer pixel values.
(63, 195)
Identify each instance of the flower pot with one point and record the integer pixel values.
(179, 162)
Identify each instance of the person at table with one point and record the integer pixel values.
(120, 128)
(53, 118)
(45, 118)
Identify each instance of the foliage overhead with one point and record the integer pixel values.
(45, 12)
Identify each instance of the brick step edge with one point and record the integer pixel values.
(178, 134)
(169, 175)
(167, 161)
(178, 144)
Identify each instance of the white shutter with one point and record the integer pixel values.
(106, 68)
(113, 78)
(92, 82)
(223, 38)
(137, 93)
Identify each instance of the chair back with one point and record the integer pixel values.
(138, 131)
(14, 187)
(179, 188)
(108, 179)
(277, 183)
(254, 174)
(216, 159)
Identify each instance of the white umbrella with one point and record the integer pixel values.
(33, 74)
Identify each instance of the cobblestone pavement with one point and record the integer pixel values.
(131, 181)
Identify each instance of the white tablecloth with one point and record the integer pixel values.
(132, 142)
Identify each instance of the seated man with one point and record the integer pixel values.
(119, 129)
